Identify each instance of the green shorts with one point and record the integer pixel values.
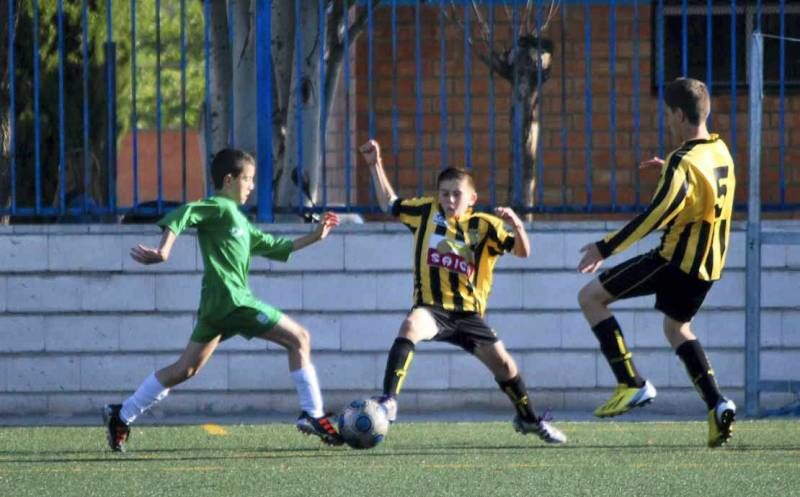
(248, 322)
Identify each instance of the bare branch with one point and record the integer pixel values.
(528, 18)
(554, 5)
(491, 58)
(484, 26)
(532, 20)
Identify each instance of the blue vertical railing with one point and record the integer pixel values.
(517, 112)
(613, 117)
(782, 104)
(539, 111)
(184, 175)
(418, 95)
(37, 128)
(134, 119)
(87, 159)
(159, 154)
(492, 137)
(442, 84)
(298, 102)
(323, 33)
(734, 106)
(637, 138)
(264, 67)
(587, 60)
(61, 147)
(12, 101)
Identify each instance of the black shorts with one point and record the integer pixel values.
(678, 295)
(467, 330)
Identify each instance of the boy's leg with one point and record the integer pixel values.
(156, 386)
(153, 390)
(292, 336)
(721, 411)
(505, 371)
(635, 277)
(297, 341)
(594, 300)
(418, 325)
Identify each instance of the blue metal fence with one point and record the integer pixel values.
(678, 30)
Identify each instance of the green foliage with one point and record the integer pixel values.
(147, 62)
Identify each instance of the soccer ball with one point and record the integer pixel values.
(363, 424)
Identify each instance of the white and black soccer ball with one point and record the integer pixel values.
(363, 424)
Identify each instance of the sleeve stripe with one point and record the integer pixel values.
(679, 198)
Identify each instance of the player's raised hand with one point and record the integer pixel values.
(591, 260)
(651, 163)
(147, 255)
(508, 215)
(326, 224)
(371, 151)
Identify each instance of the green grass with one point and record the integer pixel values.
(417, 459)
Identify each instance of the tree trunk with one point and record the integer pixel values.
(244, 76)
(303, 103)
(283, 26)
(221, 78)
(528, 140)
(529, 133)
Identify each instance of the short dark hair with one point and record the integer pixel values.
(456, 174)
(690, 96)
(229, 161)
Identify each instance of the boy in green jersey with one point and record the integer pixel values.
(227, 306)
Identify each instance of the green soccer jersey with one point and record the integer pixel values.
(227, 241)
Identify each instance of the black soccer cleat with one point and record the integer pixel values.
(321, 427)
(117, 432)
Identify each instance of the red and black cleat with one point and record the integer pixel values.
(117, 432)
(321, 427)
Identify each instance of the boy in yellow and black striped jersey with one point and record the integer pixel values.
(693, 204)
(455, 250)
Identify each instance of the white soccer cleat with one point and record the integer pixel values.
(540, 428)
(720, 422)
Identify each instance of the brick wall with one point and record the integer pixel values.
(570, 158)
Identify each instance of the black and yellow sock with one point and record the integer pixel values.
(400, 356)
(518, 393)
(612, 344)
(700, 372)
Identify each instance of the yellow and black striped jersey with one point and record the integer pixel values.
(453, 258)
(693, 203)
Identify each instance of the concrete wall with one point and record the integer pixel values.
(81, 324)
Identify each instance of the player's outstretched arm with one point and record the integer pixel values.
(522, 246)
(371, 151)
(149, 255)
(326, 224)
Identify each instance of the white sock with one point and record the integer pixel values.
(149, 393)
(307, 385)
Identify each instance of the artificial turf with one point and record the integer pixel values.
(416, 459)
